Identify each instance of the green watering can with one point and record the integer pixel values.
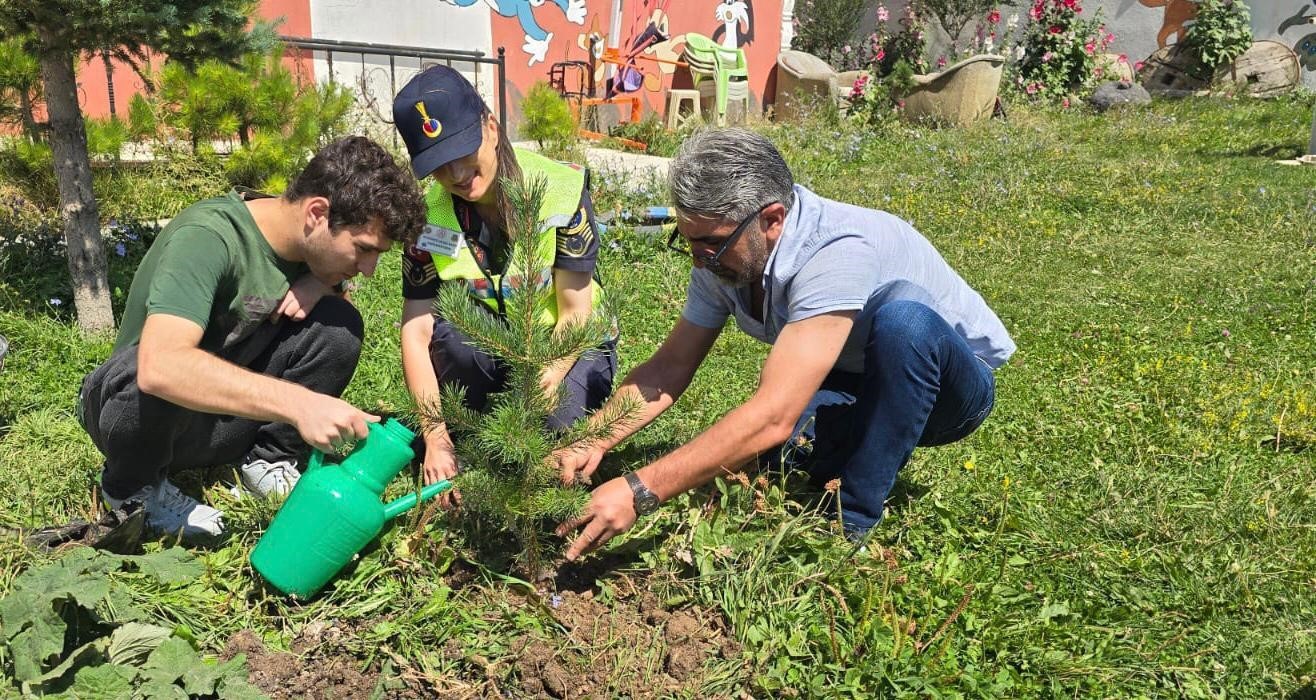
(335, 511)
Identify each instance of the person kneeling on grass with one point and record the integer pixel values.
(236, 343)
(458, 145)
(877, 344)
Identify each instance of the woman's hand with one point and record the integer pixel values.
(302, 296)
(440, 463)
(552, 377)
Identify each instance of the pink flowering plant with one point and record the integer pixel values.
(907, 43)
(1061, 50)
(874, 101)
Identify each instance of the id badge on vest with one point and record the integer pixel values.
(441, 241)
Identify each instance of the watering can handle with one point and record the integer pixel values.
(316, 461)
(401, 505)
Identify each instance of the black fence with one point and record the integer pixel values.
(349, 52)
(345, 51)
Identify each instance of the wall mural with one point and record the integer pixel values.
(649, 38)
(537, 40)
(1305, 46)
(649, 31)
(1177, 13)
(733, 14)
(648, 51)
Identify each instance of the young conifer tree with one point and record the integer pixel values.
(507, 477)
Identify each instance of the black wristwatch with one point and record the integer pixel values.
(645, 500)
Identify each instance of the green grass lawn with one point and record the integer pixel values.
(1136, 518)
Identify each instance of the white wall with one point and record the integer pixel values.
(430, 24)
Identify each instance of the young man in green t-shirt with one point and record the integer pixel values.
(235, 346)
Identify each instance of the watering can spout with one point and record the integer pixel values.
(405, 503)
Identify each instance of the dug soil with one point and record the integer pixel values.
(631, 646)
(322, 674)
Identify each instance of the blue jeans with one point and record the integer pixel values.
(921, 385)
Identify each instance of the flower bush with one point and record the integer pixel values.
(955, 15)
(886, 48)
(1220, 34)
(877, 101)
(1059, 55)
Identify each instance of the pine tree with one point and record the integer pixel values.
(20, 84)
(278, 123)
(508, 479)
(185, 30)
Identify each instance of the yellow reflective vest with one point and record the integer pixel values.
(561, 202)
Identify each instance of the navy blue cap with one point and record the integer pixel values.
(440, 117)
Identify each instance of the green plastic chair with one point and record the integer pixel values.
(709, 60)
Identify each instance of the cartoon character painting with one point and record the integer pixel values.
(648, 52)
(536, 39)
(1304, 47)
(733, 14)
(1177, 13)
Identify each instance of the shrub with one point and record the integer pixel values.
(29, 166)
(547, 119)
(278, 124)
(1060, 50)
(105, 137)
(826, 28)
(653, 133)
(20, 85)
(1220, 34)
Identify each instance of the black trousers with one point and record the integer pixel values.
(588, 383)
(144, 437)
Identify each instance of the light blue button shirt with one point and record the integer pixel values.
(833, 256)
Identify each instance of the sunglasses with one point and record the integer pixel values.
(678, 243)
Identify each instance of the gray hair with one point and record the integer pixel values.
(728, 174)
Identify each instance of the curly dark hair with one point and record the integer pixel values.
(363, 182)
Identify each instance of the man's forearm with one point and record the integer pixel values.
(653, 389)
(741, 435)
(201, 381)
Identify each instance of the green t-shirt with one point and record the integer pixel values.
(213, 266)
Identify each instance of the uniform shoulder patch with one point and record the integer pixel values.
(575, 239)
(419, 269)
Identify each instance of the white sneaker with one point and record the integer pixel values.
(173, 512)
(267, 479)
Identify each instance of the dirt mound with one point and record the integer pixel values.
(318, 671)
(633, 648)
(629, 645)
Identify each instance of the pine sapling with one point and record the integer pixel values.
(508, 479)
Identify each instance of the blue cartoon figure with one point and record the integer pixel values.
(1304, 47)
(1306, 50)
(536, 39)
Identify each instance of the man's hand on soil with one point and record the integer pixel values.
(610, 512)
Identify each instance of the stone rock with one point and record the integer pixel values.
(1115, 94)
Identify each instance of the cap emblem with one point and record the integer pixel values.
(430, 126)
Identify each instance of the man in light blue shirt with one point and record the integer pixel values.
(878, 345)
